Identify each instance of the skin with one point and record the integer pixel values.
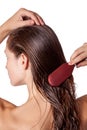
(31, 115)
(17, 21)
(79, 58)
(11, 116)
(82, 103)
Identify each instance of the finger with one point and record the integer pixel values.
(33, 16)
(27, 23)
(37, 20)
(83, 63)
(77, 52)
(79, 58)
(40, 19)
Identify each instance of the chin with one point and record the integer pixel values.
(14, 84)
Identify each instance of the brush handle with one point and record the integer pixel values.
(59, 75)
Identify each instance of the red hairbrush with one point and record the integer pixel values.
(59, 75)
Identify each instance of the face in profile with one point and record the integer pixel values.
(15, 68)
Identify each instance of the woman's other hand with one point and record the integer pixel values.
(79, 57)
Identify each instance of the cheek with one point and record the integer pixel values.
(16, 73)
(11, 69)
(8, 65)
(17, 77)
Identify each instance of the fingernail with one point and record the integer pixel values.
(70, 63)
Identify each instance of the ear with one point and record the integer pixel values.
(23, 61)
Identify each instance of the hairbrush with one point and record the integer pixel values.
(59, 75)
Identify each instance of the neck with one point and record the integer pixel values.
(36, 103)
(32, 91)
(35, 107)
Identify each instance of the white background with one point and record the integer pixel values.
(68, 18)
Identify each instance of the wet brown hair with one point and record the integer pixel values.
(41, 45)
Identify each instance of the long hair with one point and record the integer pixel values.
(41, 45)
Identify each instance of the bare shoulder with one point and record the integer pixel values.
(6, 104)
(82, 107)
(83, 98)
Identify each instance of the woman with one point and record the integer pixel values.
(33, 52)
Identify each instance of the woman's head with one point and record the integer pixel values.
(41, 47)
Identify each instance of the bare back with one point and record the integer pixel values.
(82, 107)
(13, 118)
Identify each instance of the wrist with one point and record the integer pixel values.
(4, 31)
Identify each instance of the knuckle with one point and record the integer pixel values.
(21, 9)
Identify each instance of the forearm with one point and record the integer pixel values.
(3, 32)
(17, 20)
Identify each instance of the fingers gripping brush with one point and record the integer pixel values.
(59, 75)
